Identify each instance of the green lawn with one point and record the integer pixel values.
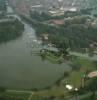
(35, 97)
(74, 79)
(85, 64)
(18, 96)
(54, 91)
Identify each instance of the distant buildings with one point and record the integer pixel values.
(62, 8)
(74, 9)
(2, 7)
(94, 24)
(57, 8)
(37, 8)
(56, 12)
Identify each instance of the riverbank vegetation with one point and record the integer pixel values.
(10, 30)
(14, 95)
(56, 56)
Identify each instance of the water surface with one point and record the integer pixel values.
(21, 69)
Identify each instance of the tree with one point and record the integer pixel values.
(2, 89)
(92, 86)
(91, 52)
(10, 30)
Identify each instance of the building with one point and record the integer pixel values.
(92, 74)
(37, 8)
(73, 9)
(94, 24)
(56, 12)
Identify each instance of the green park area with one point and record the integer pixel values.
(80, 68)
(16, 95)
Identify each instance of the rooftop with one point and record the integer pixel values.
(57, 22)
(92, 74)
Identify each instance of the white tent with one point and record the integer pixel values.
(69, 87)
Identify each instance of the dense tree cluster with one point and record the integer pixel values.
(10, 30)
(76, 36)
(77, 33)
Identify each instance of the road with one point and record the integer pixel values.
(30, 97)
(19, 91)
(94, 58)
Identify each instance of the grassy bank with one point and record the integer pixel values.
(52, 57)
(14, 96)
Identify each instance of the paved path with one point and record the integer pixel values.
(94, 58)
(30, 97)
(19, 91)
